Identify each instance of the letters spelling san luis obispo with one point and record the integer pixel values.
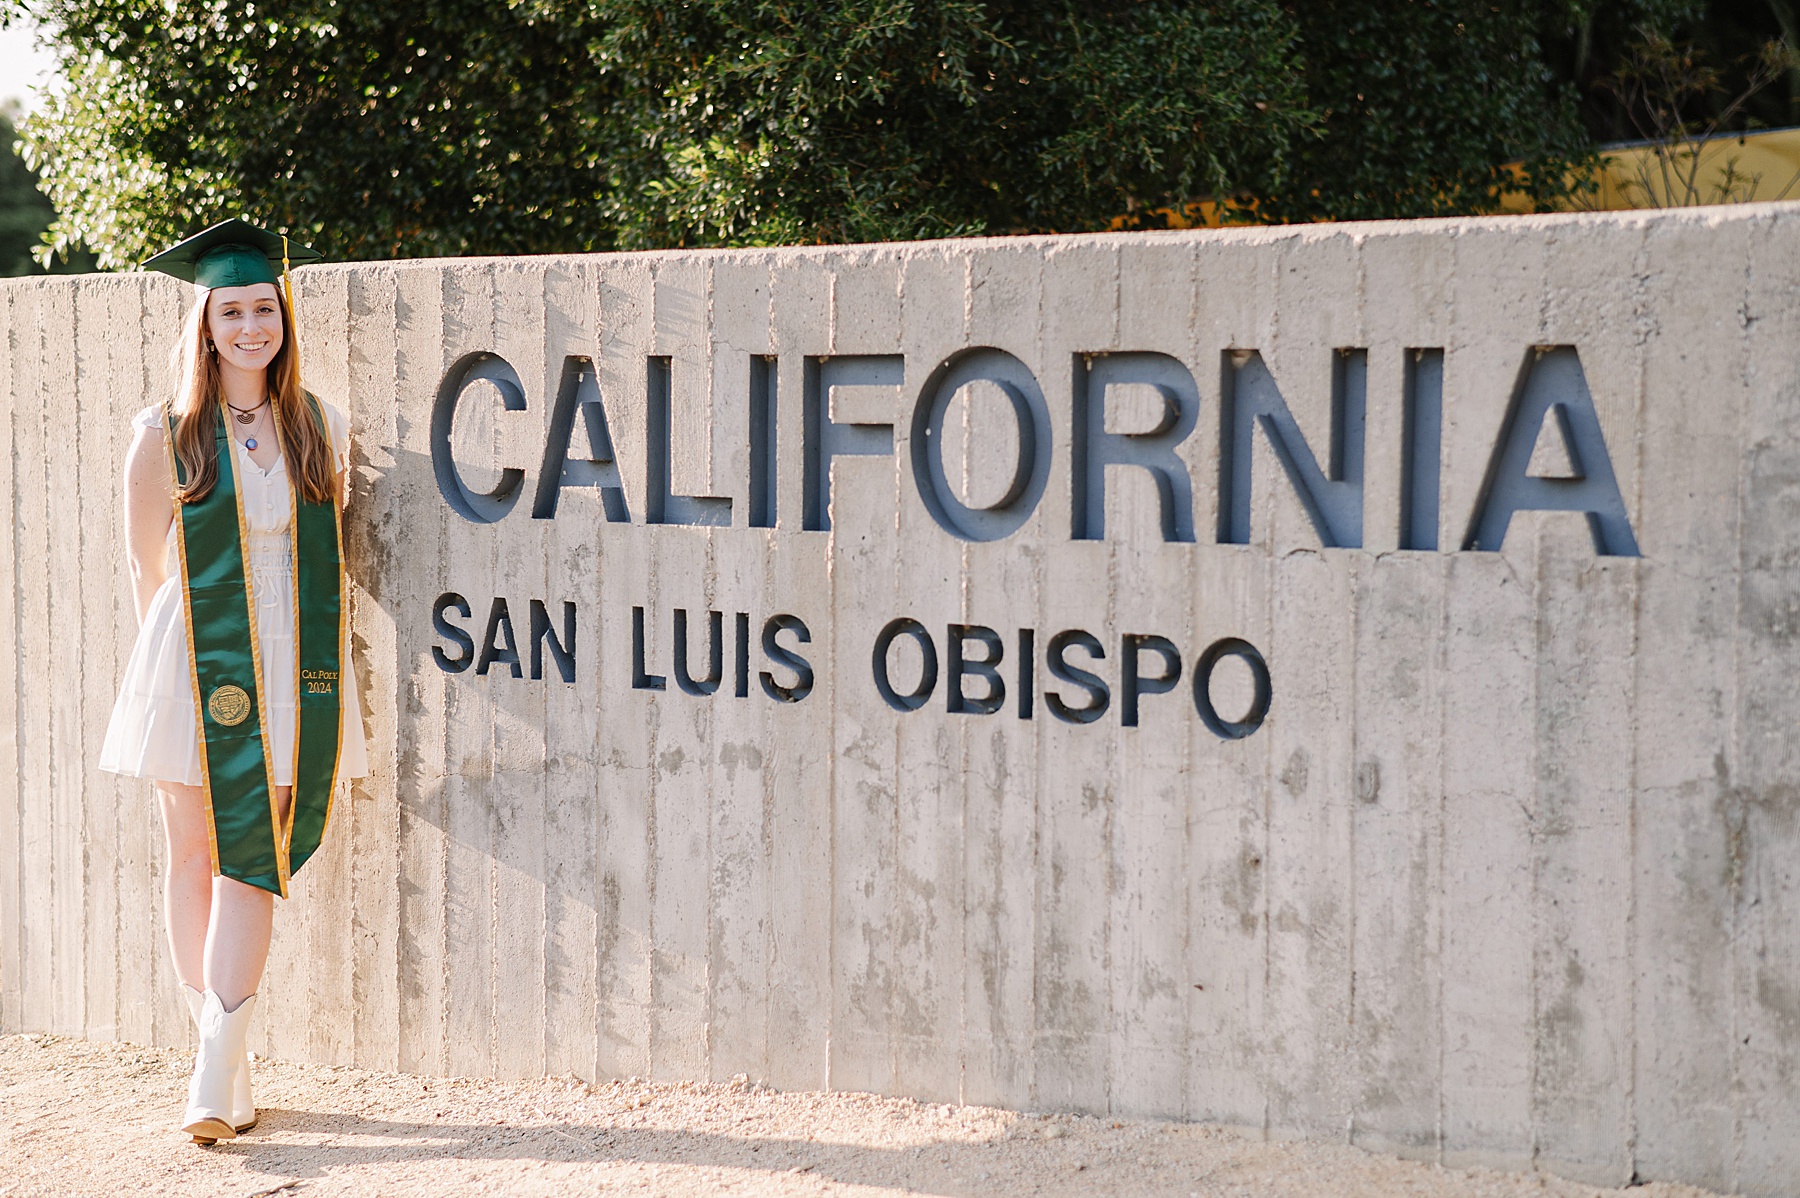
(1551, 387)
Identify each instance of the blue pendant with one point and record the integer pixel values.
(249, 442)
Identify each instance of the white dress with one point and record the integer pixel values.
(152, 733)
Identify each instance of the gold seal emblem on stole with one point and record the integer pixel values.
(229, 705)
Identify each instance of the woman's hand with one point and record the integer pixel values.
(149, 510)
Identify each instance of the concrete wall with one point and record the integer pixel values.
(1510, 874)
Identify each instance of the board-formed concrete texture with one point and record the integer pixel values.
(1508, 873)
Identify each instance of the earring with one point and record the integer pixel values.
(210, 347)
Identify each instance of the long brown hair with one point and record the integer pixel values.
(199, 391)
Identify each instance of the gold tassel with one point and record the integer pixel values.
(287, 285)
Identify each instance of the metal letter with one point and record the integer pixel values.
(782, 656)
(1098, 696)
(662, 506)
(1333, 502)
(1132, 684)
(498, 643)
(450, 632)
(917, 698)
(715, 654)
(987, 669)
(1552, 385)
(579, 392)
(825, 439)
(1421, 448)
(1225, 729)
(1030, 472)
(1095, 449)
(562, 649)
(473, 506)
(642, 679)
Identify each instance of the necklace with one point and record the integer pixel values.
(246, 416)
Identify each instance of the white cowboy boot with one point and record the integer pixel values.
(243, 1107)
(216, 1066)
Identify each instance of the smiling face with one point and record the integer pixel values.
(245, 325)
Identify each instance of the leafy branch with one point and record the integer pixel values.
(1680, 106)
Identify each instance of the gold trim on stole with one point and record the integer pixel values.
(275, 822)
(287, 831)
(187, 619)
(287, 290)
(337, 513)
(344, 665)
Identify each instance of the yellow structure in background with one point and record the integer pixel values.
(1733, 168)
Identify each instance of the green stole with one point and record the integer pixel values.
(249, 842)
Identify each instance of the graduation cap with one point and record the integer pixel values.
(233, 253)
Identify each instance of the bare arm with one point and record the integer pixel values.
(149, 510)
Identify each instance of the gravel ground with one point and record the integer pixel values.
(79, 1118)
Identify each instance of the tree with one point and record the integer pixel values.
(373, 130)
(861, 120)
(1730, 37)
(483, 126)
(1420, 106)
(24, 212)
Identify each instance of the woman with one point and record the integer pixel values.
(239, 699)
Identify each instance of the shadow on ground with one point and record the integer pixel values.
(302, 1144)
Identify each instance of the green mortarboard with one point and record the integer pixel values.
(233, 253)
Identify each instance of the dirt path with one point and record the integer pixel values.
(87, 1119)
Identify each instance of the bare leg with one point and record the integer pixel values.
(188, 884)
(218, 928)
(237, 946)
(237, 943)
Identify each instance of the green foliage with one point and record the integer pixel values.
(455, 126)
(1421, 104)
(517, 126)
(24, 211)
(1729, 37)
(109, 192)
(380, 130)
(859, 120)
